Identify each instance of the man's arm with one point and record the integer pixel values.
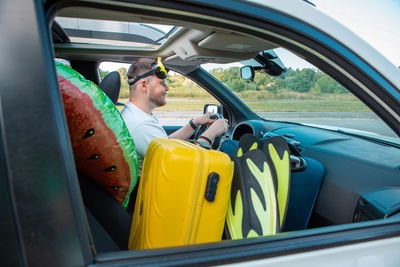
(187, 131)
(183, 133)
(218, 127)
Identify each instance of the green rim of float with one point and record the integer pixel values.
(109, 112)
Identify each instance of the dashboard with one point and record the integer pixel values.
(360, 176)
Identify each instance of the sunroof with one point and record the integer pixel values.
(116, 33)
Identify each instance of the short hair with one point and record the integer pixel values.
(139, 67)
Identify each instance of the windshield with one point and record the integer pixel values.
(302, 94)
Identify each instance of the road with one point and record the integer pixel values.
(354, 120)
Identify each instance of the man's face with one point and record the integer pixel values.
(158, 90)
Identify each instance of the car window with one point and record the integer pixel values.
(185, 99)
(302, 94)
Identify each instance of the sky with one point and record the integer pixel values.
(376, 21)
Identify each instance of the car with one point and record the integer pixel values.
(353, 217)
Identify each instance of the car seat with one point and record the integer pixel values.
(104, 155)
(111, 85)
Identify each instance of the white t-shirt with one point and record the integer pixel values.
(143, 128)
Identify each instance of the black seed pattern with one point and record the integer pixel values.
(94, 156)
(110, 169)
(88, 133)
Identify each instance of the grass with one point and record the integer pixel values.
(180, 104)
(281, 105)
(185, 95)
(307, 106)
(287, 95)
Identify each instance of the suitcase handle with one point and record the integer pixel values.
(211, 188)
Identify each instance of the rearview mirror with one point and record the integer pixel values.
(247, 73)
(268, 61)
(271, 63)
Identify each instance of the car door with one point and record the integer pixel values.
(47, 211)
(43, 220)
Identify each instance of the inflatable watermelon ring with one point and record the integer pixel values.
(102, 146)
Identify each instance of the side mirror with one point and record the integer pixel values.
(247, 73)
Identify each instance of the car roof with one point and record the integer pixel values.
(184, 48)
(191, 44)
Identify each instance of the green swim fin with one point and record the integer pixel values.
(277, 151)
(252, 208)
(246, 143)
(249, 142)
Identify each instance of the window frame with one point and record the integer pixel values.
(55, 129)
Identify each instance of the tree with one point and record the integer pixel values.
(124, 92)
(300, 80)
(122, 74)
(103, 73)
(325, 84)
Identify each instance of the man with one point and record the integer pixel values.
(147, 89)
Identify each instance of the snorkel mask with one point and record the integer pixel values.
(158, 69)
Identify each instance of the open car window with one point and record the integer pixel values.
(185, 98)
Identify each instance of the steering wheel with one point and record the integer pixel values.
(200, 130)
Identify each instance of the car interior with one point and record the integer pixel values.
(337, 177)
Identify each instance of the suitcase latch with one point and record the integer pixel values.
(211, 188)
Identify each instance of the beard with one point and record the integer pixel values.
(158, 99)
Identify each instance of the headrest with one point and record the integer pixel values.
(102, 146)
(111, 85)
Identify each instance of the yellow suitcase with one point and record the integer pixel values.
(182, 197)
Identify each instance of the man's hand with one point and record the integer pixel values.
(219, 127)
(204, 119)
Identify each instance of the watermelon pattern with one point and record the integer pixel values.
(102, 146)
